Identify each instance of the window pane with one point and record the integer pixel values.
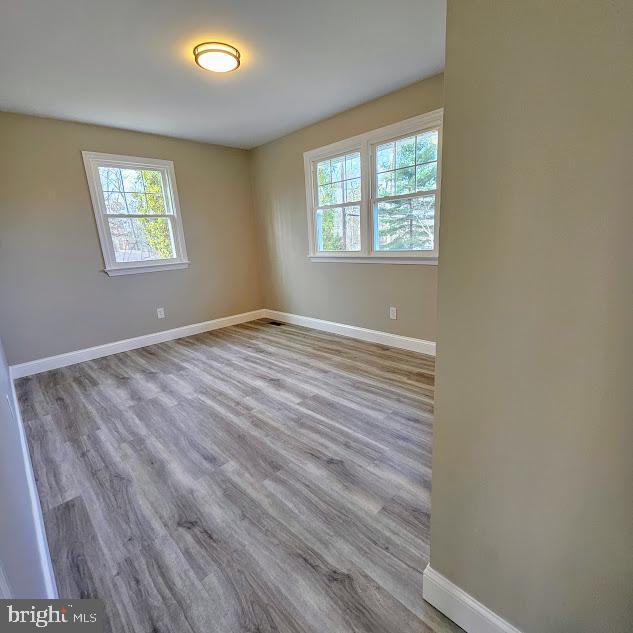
(338, 180)
(115, 202)
(338, 229)
(405, 180)
(338, 168)
(132, 180)
(143, 191)
(385, 184)
(352, 190)
(352, 228)
(155, 203)
(352, 166)
(407, 166)
(323, 172)
(405, 225)
(136, 202)
(153, 181)
(141, 239)
(385, 157)
(405, 152)
(326, 194)
(329, 229)
(110, 179)
(426, 177)
(426, 147)
(331, 194)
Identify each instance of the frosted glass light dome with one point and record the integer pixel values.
(217, 57)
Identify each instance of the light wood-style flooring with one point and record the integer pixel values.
(260, 478)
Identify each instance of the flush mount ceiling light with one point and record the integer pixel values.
(217, 57)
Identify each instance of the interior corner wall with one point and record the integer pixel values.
(245, 225)
(21, 532)
(54, 295)
(351, 293)
(532, 468)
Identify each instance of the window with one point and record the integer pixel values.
(338, 203)
(138, 216)
(404, 189)
(375, 197)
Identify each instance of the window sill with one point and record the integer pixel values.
(150, 268)
(360, 259)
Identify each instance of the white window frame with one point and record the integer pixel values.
(366, 144)
(92, 162)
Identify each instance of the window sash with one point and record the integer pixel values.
(315, 206)
(143, 262)
(159, 216)
(315, 180)
(399, 252)
(375, 199)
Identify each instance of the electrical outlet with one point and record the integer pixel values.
(160, 313)
(393, 312)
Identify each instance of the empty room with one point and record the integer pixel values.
(316, 317)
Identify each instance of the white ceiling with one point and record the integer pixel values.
(128, 63)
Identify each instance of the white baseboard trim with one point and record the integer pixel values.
(460, 606)
(48, 575)
(90, 353)
(364, 334)
(79, 356)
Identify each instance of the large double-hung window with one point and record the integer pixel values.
(375, 197)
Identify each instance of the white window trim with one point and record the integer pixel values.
(94, 160)
(365, 144)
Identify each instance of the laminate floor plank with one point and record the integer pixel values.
(334, 385)
(331, 360)
(260, 478)
(75, 548)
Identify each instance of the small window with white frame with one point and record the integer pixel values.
(375, 197)
(136, 208)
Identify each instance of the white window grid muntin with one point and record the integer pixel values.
(93, 161)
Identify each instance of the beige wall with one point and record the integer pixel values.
(54, 296)
(357, 294)
(532, 468)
